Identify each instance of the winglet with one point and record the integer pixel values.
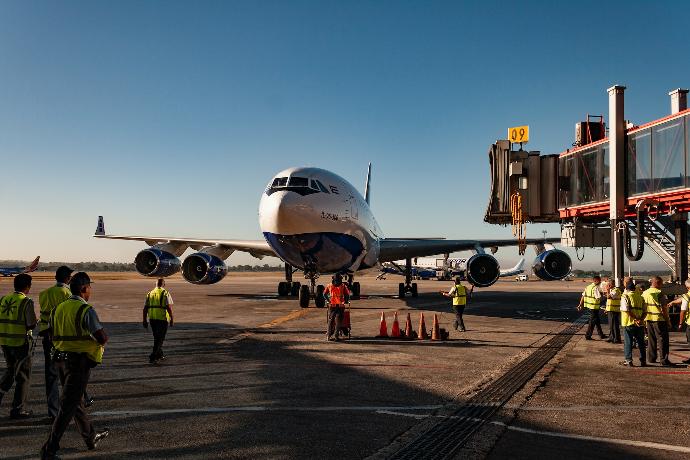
(367, 186)
(100, 228)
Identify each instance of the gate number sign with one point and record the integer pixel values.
(518, 134)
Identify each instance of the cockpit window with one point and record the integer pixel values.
(298, 182)
(279, 182)
(321, 186)
(314, 185)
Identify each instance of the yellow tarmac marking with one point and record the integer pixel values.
(283, 319)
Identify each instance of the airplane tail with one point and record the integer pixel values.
(519, 265)
(100, 228)
(32, 266)
(367, 185)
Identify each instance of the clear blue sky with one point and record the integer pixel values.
(171, 117)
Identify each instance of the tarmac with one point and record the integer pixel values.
(249, 374)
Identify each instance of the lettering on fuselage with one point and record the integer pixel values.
(334, 189)
(329, 216)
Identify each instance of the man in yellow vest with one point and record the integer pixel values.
(633, 311)
(48, 300)
(591, 300)
(158, 308)
(17, 321)
(658, 323)
(460, 295)
(613, 310)
(684, 300)
(79, 341)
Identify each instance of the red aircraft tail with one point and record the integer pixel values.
(33, 266)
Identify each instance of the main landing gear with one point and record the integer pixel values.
(408, 285)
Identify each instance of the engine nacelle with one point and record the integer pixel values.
(552, 265)
(157, 263)
(482, 270)
(203, 268)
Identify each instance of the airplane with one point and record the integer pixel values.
(423, 269)
(11, 271)
(318, 223)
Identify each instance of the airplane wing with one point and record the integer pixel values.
(256, 248)
(402, 248)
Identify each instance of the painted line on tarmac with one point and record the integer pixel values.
(664, 372)
(243, 335)
(579, 437)
(597, 408)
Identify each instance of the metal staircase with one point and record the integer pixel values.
(660, 238)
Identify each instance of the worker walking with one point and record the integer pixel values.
(337, 294)
(684, 300)
(633, 311)
(158, 309)
(17, 321)
(658, 323)
(460, 294)
(79, 340)
(591, 300)
(613, 310)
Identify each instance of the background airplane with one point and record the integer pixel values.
(441, 269)
(11, 271)
(317, 222)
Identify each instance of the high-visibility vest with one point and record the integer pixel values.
(460, 297)
(654, 309)
(49, 299)
(614, 304)
(337, 294)
(591, 302)
(157, 301)
(13, 330)
(686, 297)
(70, 332)
(635, 303)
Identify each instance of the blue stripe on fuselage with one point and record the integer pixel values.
(328, 252)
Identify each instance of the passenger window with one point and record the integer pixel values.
(299, 182)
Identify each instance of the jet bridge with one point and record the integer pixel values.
(626, 188)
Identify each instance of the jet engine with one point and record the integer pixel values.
(552, 265)
(157, 263)
(203, 268)
(482, 270)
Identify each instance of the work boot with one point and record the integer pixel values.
(45, 455)
(100, 436)
(667, 363)
(20, 414)
(626, 363)
(88, 402)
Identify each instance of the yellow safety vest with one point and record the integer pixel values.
(69, 331)
(591, 302)
(614, 304)
(157, 301)
(13, 330)
(635, 305)
(655, 313)
(686, 297)
(49, 299)
(460, 297)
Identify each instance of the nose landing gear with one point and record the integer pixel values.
(288, 287)
(306, 293)
(408, 285)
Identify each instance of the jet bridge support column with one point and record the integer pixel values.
(680, 223)
(617, 177)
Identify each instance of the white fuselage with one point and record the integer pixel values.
(316, 220)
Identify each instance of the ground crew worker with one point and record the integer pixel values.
(591, 300)
(613, 309)
(633, 311)
(459, 293)
(17, 321)
(79, 341)
(337, 294)
(684, 300)
(158, 308)
(658, 323)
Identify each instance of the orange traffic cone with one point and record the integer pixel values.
(423, 335)
(435, 333)
(383, 329)
(409, 333)
(395, 329)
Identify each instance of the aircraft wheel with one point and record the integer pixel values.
(414, 289)
(294, 289)
(283, 289)
(320, 300)
(356, 289)
(304, 296)
(401, 290)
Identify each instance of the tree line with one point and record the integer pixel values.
(123, 267)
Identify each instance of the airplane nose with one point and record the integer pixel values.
(281, 213)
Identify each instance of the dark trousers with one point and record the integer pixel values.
(159, 327)
(335, 319)
(634, 333)
(687, 333)
(657, 332)
(459, 323)
(52, 379)
(594, 321)
(18, 370)
(614, 326)
(74, 376)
